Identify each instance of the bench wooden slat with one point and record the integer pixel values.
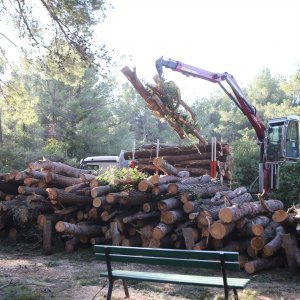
(193, 263)
(169, 253)
(210, 281)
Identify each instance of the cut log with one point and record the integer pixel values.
(78, 229)
(163, 179)
(56, 167)
(135, 241)
(27, 190)
(160, 189)
(161, 230)
(261, 264)
(113, 198)
(164, 166)
(219, 230)
(72, 244)
(275, 244)
(254, 226)
(132, 198)
(100, 201)
(141, 216)
(75, 187)
(145, 185)
(173, 216)
(150, 206)
(60, 196)
(258, 242)
(236, 212)
(60, 180)
(201, 245)
(169, 204)
(290, 246)
(47, 236)
(102, 190)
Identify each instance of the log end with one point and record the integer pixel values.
(60, 226)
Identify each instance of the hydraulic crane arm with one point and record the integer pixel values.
(237, 95)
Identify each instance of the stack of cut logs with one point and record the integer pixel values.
(194, 159)
(173, 210)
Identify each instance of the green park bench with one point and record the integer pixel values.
(181, 259)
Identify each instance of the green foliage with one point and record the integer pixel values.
(289, 184)
(113, 173)
(246, 159)
(54, 150)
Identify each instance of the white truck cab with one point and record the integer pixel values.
(104, 162)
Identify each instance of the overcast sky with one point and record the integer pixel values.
(239, 37)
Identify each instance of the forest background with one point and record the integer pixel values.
(62, 102)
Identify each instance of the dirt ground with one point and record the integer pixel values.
(28, 274)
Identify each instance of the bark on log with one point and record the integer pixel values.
(27, 190)
(56, 167)
(258, 242)
(47, 236)
(164, 166)
(160, 189)
(161, 230)
(219, 230)
(72, 244)
(102, 190)
(275, 244)
(163, 179)
(290, 245)
(132, 198)
(61, 180)
(261, 264)
(169, 204)
(75, 187)
(141, 216)
(100, 201)
(173, 216)
(145, 185)
(58, 195)
(78, 229)
(254, 226)
(236, 212)
(150, 206)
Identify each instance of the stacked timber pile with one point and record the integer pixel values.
(171, 211)
(194, 159)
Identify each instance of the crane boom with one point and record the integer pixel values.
(237, 95)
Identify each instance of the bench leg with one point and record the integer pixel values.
(236, 296)
(110, 288)
(125, 288)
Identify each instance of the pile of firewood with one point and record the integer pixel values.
(171, 211)
(194, 159)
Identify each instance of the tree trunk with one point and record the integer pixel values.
(236, 212)
(78, 229)
(290, 246)
(275, 244)
(219, 230)
(164, 166)
(102, 190)
(58, 168)
(60, 196)
(75, 187)
(258, 242)
(173, 216)
(255, 226)
(141, 216)
(169, 204)
(163, 179)
(161, 230)
(27, 190)
(132, 198)
(261, 264)
(47, 236)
